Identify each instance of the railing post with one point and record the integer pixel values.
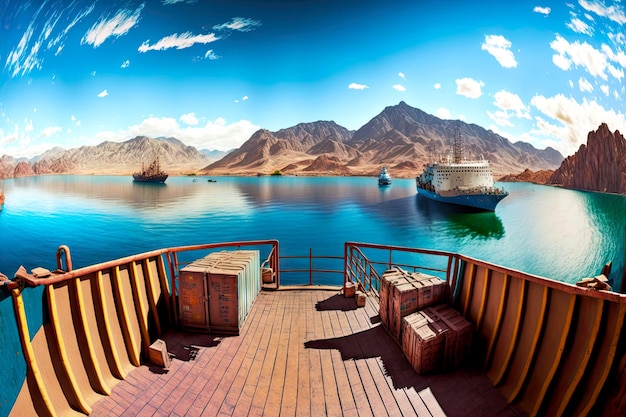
(310, 266)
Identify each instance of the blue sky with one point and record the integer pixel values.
(211, 73)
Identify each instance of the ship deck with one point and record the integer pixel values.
(301, 352)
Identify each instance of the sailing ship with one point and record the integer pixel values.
(152, 173)
(383, 177)
(456, 180)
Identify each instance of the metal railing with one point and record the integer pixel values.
(366, 270)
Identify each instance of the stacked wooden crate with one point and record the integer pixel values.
(403, 293)
(435, 339)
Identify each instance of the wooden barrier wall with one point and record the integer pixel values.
(98, 327)
(552, 348)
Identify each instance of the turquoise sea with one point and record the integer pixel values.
(560, 234)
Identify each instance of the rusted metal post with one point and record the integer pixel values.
(310, 266)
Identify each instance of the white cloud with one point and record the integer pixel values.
(469, 87)
(579, 26)
(570, 120)
(499, 47)
(437, 86)
(542, 10)
(501, 118)
(60, 38)
(401, 75)
(182, 41)
(614, 13)
(217, 134)
(579, 54)
(355, 86)
(49, 131)
(211, 55)
(605, 89)
(443, 113)
(125, 64)
(239, 23)
(116, 26)
(189, 119)
(29, 126)
(399, 87)
(244, 98)
(511, 105)
(103, 93)
(584, 85)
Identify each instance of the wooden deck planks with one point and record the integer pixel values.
(300, 353)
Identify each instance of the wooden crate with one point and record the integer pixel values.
(386, 284)
(460, 335)
(424, 342)
(403, 293)
(361, 299)
(158, 354)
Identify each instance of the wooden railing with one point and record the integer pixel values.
(550, 347)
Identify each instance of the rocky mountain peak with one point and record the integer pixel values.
(598, 165)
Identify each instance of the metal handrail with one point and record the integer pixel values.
(310, 270)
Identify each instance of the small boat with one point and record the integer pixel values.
(211, 180)
(383, 177)
(152, 173)
(456, 180)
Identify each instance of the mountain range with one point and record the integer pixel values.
(401, 137)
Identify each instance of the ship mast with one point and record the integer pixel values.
(457, 148)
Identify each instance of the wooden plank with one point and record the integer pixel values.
(231, 366)
(315, 332)
(288, 347)
(253, 329)
(259, 399)
(257, 357)
(303, 402)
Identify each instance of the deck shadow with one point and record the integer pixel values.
(185, 346)
(452, 389)
(336, 302)
(374, 343)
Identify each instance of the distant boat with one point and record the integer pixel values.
(211, 180)
(383, 177)
(152, 173)
(456, 180)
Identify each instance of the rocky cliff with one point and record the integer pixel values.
(598, 165)
(536, 177)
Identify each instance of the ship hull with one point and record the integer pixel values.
(155, 178)
(486, 202)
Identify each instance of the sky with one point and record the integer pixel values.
(211, 73)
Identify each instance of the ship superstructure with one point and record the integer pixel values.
(456, 180)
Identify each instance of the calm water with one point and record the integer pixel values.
(561, 234)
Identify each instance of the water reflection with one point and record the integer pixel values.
(552, 232)
(461, 222)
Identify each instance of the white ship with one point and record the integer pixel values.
(456, 180)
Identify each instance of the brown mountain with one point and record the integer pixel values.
(537, 177)
(289, 150)
(117, 158)
(401, 137)
(600, 165)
